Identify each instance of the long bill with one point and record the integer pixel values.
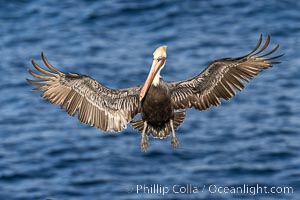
(156, 65)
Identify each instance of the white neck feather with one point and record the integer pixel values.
(155, 81)
(157, 77)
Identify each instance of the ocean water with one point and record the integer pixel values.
(250, 142)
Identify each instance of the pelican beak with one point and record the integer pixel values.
(156, 65)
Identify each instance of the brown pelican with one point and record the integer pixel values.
(161, 104)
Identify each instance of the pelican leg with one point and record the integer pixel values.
(145, 138)
(174, 140)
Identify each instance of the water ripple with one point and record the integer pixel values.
(254, 138)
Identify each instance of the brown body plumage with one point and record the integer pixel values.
(161, 104)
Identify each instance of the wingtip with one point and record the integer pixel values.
(43, 56)
(274, 63)
(279, 56)
(261, 36)
(269, 37)
(28, 80)
(49, 65)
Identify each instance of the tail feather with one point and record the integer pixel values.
(160, 132)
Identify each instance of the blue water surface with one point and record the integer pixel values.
(251, 141)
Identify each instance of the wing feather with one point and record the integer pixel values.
(221, 78)
(96, 105)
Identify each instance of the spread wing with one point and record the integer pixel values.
(221, 78)
(99, 106)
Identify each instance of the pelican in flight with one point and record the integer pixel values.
(161, 104)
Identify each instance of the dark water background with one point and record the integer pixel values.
(253, 139)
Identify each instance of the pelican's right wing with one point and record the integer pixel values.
(98, 106)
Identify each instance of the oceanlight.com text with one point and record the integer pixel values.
(212, 189)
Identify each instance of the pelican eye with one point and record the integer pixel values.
(161, 58)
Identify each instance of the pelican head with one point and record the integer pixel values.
(160, 52)
(159, 61)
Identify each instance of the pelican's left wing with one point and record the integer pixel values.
(220, 79)
(99, 106)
